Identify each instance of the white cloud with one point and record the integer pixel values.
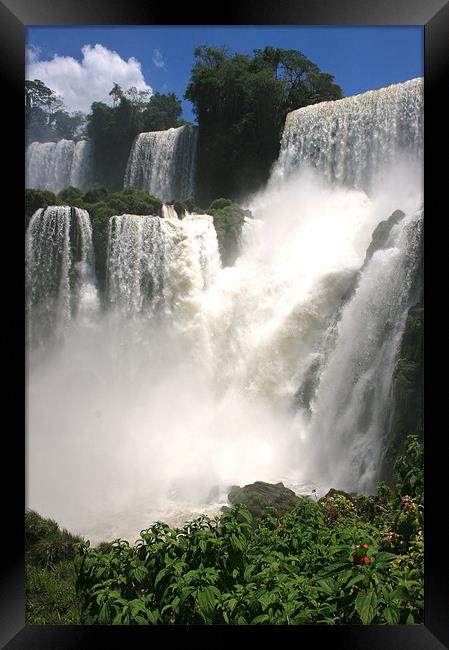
(81, 83)
(32, 53)
(158, 59)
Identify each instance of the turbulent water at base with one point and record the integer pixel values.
(56, 165)
(163, 163)
(197, 376)
(60, 273)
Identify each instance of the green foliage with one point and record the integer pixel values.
(71, 196)
(102, 205)
(186, 205)
(409, 470)
(241, 103)
(45, 118)
(335, 561)
(95, 194)
(408, 389)
(51, 596)
(228, 221)
(337, 507)
(50, 574)
(218, 204)
(162, 112)
(114, 128)
(46, 544)
(35, 199)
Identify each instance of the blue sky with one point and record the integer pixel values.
(360, 58)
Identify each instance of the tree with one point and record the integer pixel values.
(241, 103)
(116, 93)
(162, 112)
(38, 95)
(138, 98)
(45, 116)
(69, 126)
(41, 105)
(113, 129)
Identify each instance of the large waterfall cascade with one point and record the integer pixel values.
(337, 137)
(56, 165)
(197, 377)
(163, 163)
(60, 271)
(147, 261)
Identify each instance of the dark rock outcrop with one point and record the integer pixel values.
(381, 233)
(259, 495)
(333, 492)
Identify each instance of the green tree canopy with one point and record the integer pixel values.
(45, 116)
(113, 128)
(162, 112)
(241, 103)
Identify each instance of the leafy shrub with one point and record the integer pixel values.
(228, 222)
(71, 196)
(218, 204)
(95, 194)
(409, 469)
(337, 507)
(35, 199)
(293, 569)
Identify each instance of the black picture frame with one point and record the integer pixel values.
(15, 16)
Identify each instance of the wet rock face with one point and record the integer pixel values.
(259, 495)
(381, 233)
(333, 492)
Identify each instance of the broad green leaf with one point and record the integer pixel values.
(262, 618)
(236, 542)
(159, 576)
(400, 593)
(383, 557)
(327, 586)
(355, 579)
(153, 616)
(391, 615)
(366, 604)
(103, 615)
(332, 569)
(410, 620)
(206, 601)
(265, 600)
(141, 620)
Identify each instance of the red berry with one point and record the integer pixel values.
(366, 560)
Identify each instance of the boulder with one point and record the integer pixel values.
(333, 492)
(259, 495)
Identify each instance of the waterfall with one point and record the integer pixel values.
(159, 262)
(60, 274)
(278, 368)
(337, 137)
(351, 406)
(81, 170)
(56, 165)
(169, 212)
(163, 163)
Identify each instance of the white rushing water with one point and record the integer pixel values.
(163, 163)
(60, 272)
(56, 165)
(338, 138)
(197, 377)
